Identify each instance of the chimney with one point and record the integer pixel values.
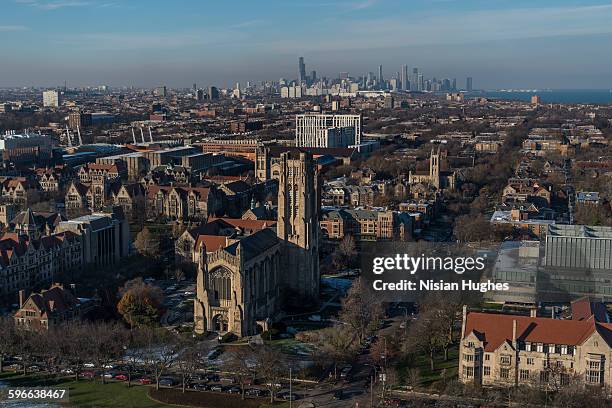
(533, 312)
(22, 298)
(514, 333)
(463, 321)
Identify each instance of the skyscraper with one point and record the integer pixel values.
(414, 80)
(381, 81)
(404, 78)
(468, 84)
(302, 70)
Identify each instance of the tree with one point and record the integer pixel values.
(428, 334)
(271, 366)
(335, 345)
(7, 339)
(470, 228)
(444, 309)
(147, 243)
(106, 342)
(241, 367)
(161, 350)
(361, 309)
(344, 255)
(141, 303)
(188, 359)
(134, 352)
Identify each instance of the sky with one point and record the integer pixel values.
(144, 43)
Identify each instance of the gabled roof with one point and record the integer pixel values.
(254, 244)
(55, 300)
(494, 329)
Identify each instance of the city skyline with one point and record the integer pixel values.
(501, 45)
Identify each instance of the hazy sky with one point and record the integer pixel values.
(501, 43)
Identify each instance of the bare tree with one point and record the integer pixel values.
(160, 348)
(361, 309)
(7, 339)
(428, 334)
(335, 345)
(241, 364)
(271, 366)
(106, 344)
(188, 359)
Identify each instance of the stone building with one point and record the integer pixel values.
(438, 175)
(240, 285)
(509, 350)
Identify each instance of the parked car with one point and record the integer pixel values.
(88, 374)
(213, 354)
(145, 381)
(108, 375)
(212, 378)
(89, 365)
(254, 392)
(227, 380)
(216, 388)
(345, 371)
(121, 377)
(289, 397)
(68, 371)
(234, 390)
(167, 382)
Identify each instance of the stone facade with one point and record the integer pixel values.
(508, 350)
(240, 284)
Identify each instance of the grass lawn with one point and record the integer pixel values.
(427, 377)
(86, 393)
(90, 394)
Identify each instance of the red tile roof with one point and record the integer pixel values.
(494, 329)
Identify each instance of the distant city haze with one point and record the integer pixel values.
(561, 44)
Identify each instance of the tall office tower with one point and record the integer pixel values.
(195, 87)
(414, 80)
(213, 92)
(313, 76)
(200, 95)
(309, 128)
(468, 84)
(381, 81)
(454, 84)
(404, 78)
(302, 70)
(51, 99)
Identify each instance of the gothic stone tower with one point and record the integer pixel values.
(434, 168)
(298, 221)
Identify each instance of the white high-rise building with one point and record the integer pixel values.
(51, 99)
(313, 130)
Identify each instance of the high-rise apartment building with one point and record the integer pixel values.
(52, 99)
(311, 128)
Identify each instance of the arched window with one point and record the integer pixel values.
(221, 284)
